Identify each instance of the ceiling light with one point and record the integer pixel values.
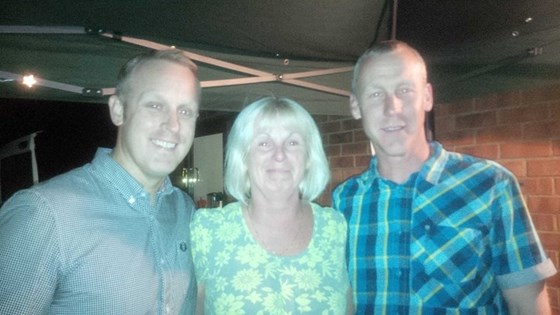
(29, 80)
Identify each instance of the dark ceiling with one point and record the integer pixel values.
(473, 47)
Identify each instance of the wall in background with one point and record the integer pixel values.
(519, 129)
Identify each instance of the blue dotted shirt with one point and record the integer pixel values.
(90, 242)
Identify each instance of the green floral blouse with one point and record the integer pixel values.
(241, 277)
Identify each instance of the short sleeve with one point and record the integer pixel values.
(517, 249)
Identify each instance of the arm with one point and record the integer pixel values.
(528, 300)
(28, 256)
(200, 300)
(350, 303)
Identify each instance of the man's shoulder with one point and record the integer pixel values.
(351, 182)
(462, 161)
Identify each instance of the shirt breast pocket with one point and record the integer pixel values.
(449, 254)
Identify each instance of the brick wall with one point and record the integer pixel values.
(519, 129)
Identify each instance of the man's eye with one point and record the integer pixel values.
(293, 142)
(155, 105)
(186, 112)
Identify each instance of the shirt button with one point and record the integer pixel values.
(131, 200)
(427, 227)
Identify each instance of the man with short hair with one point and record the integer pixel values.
(112, 237)
(431, 231)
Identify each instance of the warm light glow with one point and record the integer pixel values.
(29, 80)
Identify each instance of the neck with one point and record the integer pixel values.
(399, 168)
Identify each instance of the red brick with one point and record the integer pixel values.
(542, 94)
(351, 124)
(499, 134)
(330, 127)
(488, 151)
(355, 148)
(557, 186)
(509, 99)
(555, 111)
(441, 109)
(547, 204)
(549, 167)
(320, 118)
(525, 149)
(461, 106)
(554, 281)
(338, 138)
(362, 160)
(342, 162)
(537, 186)
(545, 222)
(476, 120)
(553, 254)
(444, 125)
(464, 137)
(360, 135)
(556, 147)
(517, 167)
(337, 117)
(486, 103)
(337, 176)
(333, 150)
(324, 199)
(554, 297)
(523, 114)
(550, 240)
(541, 130)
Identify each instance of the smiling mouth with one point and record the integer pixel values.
(164, 144)
(392, 128)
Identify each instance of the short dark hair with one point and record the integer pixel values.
(379, 49)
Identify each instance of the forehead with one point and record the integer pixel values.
(165, 78)
(277, 126)
(400, 64)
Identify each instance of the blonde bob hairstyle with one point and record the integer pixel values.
(260, 114)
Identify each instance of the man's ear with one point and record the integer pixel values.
(428, 98)
(116, 110)
(355, 107)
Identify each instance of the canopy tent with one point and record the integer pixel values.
(248, 49)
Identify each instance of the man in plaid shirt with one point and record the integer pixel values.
(431, 231)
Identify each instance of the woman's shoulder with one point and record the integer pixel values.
(216, 215)
(327, 212)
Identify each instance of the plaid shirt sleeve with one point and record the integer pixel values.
(519, 257)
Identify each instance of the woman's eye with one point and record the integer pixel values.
(376, 94)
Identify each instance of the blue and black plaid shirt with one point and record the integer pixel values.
(443, 242)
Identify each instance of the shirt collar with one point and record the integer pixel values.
(127, 185)
(431, 170)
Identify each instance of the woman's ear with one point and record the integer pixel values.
(116, 110)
